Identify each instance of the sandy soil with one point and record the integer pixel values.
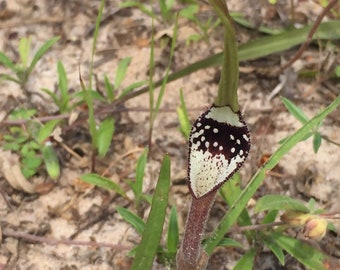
(68, 209)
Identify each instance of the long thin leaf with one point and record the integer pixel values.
(137, 186)
(236, 209)
(295, 110)
(41, 51)
(63, 87)
(121, 71)
(154, 225)
(173, 234)
(255, 49)
(102, 182)
(132, 218)
(7, 62)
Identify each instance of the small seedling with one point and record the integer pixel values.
(63, 100)
(32, 144)
(23, 69)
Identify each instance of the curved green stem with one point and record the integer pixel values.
(227, 90)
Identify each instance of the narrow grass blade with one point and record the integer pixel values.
(173, 234)
(7, 62)
(236, 209)
(103, 182)
(279, 202)
(6, 77)
(41, 51)
(121, 71)
(154, 226)
(317, 140)
(132, 218)
(303, 252)
(109, 89)
(63, 87)
(137, 186)
(247, 261)
(295, 110)
(228, 242)
(184, 121)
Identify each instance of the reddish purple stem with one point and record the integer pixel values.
(191, 251)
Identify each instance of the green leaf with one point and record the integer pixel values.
(337, 71)
(102, 182)
(5, 77)
(173, 234)
(30, 165)
(154, 226)
(270, 217)
(132, 218)
(304, 253)
(105, 134)
(137, 185)
(279, 202)
(41, 51)
(275, 248)
(22, 114)
(228, 242)
(131, 87)
(63, 86)
(317, 139)
(295, 111)
(24, 50)
(248, 192)
(53, 96)
(46, 130)
(7, 62)
(121, 71)
(109, 89)
(184, 121)
(51, 161)
(247, 261)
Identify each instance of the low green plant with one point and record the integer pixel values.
(63, 100)
(24, 68)
(31, 142)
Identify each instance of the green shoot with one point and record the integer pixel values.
(152, 234)
(23, 69)
(183, 117)
(103, 182)
(137, 185)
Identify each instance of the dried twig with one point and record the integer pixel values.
(312, 31)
